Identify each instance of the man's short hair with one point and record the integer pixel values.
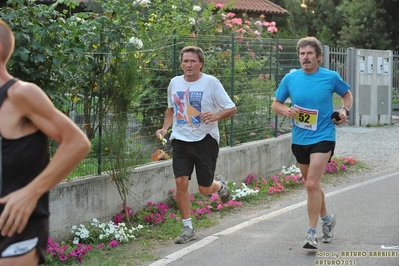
(193, 49)
(311, 41)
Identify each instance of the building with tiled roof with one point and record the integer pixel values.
(254, 7)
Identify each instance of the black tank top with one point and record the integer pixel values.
(22, 160)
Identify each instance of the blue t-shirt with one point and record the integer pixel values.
(315, 92)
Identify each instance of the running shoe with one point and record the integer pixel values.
(328, 230)
(224, 193)
(310, 241)
(187, 234)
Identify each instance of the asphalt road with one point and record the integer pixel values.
(366, 234)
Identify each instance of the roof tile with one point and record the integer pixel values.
(261, 6)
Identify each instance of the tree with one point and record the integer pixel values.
(390, 11)
(363, 25)
(320, 19)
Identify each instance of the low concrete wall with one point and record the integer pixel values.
(79, 201)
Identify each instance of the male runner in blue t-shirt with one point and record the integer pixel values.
(311, 90)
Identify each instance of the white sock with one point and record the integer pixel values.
(187, 222)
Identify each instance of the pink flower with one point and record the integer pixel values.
(237, 21)
(63, 258)
(240, 38)
(113, 243)
(270, 190)
(220, 206)
(219, 6)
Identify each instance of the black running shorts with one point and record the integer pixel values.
(35, 235)
(302, 152)
(202, 154)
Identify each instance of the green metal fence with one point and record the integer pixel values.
(250, 70)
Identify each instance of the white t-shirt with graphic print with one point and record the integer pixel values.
(189, 99)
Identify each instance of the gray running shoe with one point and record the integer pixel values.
(225, 193)
(187, 234)
(310, 241)
(328, 230)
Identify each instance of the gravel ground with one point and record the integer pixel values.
(377, 147)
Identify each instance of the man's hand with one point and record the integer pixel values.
(160, 134)
(19, 206)
(207, 117)
(339, 117)
(292, 111)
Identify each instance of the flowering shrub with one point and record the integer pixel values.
(287, 177)
(202, 205)
(153, 214)
(243, 192)
(98, 232)
(65, 253)
(337, 164)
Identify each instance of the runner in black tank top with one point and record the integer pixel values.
(28, 119)
(22, 160)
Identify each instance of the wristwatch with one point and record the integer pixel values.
(346, 109)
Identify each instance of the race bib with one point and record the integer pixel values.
(306, 118)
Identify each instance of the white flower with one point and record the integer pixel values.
(137, 42)
(243, 192)
(293, 169)
(104, 231)
(143, 3)
(197, 8)
(174, 7)
(192, 21)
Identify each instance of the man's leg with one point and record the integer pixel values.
(316, 201)
(316, 205)
(184, 203)
(219, 186)
(182, 196)
(215, 187)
